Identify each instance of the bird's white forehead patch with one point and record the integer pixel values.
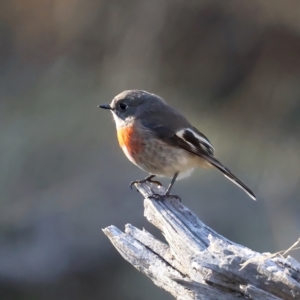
(131, 94)
(122, 95)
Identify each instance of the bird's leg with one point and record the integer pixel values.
(148, 178)
(167, 193)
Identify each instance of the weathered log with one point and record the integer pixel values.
(197, 262)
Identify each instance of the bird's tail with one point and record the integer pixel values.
(227, 173)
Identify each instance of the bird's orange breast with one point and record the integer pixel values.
(129, 139)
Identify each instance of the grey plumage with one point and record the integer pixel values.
(165, 128)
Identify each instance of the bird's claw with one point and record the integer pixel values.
(147, 179)
(159, 197)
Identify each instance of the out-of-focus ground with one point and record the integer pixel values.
(233, 67)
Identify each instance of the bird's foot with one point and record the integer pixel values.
(164, 196)
(147, 179)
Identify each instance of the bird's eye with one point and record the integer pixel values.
(123, 106)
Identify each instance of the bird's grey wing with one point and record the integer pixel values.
(188, 138)
(172, 127)
(188, 143)
(194, 142)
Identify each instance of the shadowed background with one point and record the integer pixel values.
(232, 67)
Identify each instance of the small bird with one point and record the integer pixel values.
(161, 141)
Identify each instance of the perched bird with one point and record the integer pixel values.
(160, 140)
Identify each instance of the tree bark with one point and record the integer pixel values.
(197, 262)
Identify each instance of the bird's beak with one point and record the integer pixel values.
(105, 106)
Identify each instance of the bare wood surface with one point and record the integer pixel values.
(198, 263)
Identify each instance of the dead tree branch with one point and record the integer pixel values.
(197, 262)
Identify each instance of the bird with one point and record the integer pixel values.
(160, 140)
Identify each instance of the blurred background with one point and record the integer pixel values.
(232, 67)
